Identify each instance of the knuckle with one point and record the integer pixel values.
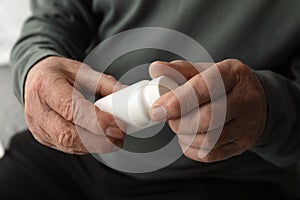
(173, 108)
(67, 138)
(64, 100)
(204, 123)
(110, 78)
(40, 84)
(199, 139)
(187, 154)
(253, 97)
(173, 125)
(233, 64)
(206, 110)
(184, 147)
(191, 154)
(188, 140)
(243, 69)
(200, 86)
(234, 61)
(239, 67)
(39, 81)
(209, 142)
(66, 108)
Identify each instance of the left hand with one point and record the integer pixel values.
(245, 115)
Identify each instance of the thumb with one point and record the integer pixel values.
(175, 103)
(93, 81)
(108, 84)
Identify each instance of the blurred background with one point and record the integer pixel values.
(12, 15)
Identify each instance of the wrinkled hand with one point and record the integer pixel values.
(245, 115)
(59, 116)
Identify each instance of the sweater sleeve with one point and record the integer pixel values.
(61, 28)
(280, 143)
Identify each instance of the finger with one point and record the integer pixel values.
(30, 111)
(101, 84)
(44, 138)
(90, 117)
(96, 121)
(180, 71)
(73, 107)
(89, 81)
(222, 153)
(68, 138)
(98, 144)
(188, 124)
(210, 84)
(193, 68)
(49, 142)
(213, 138)
(174, 104)
(205, 118)
(108, 84)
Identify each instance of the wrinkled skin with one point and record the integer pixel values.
(60, 117)
(245, 116)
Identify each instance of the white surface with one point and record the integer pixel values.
(132, 104)
(1, 150)
(12, 15)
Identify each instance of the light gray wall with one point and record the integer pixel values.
(12, 15)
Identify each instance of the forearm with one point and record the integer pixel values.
(61, 28)
(280, 142)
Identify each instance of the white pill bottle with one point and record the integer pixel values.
(133, 103)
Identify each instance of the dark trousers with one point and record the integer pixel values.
(32, 171)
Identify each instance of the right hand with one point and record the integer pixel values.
(59, 116)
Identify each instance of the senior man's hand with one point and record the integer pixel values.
(246, 108)
(59, 116)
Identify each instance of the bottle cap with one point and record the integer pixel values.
(158, 87)
(143, 99)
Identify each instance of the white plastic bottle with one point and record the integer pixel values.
(132, 104)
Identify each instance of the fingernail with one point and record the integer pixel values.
(114, 132)
(121, 125)
(158, 113)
